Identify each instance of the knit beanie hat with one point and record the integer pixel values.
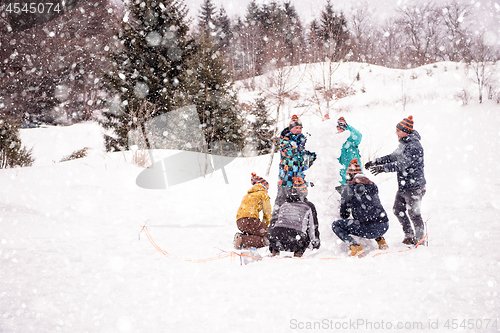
(354, 167)
(299, 187)
(259, 180)
(406, 125)
(342, 123)
(295, 121)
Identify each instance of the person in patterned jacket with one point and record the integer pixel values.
(295, 159)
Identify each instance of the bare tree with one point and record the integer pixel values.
(456, 42)
(362, 34)
(480, 69)
(420, 24)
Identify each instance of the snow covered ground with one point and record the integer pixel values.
(72, 258)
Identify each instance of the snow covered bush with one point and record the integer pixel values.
(80, 153)
(12, 153)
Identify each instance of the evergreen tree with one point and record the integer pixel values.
(147, 62)
(12, 153)
(208, 85)
(315, 42)
(294, 34)
(335, 34)
(261, 130)
(223, 30)
(206, 17)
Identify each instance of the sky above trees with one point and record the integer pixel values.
(488, 10)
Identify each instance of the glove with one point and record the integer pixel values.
(369, 164)
(316, 244)
(312, 158)
(302, 145)
(376, 169)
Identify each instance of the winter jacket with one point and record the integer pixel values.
(360, 198)
(349, 151)
(253, 202)
(298, 216)
(408, 161)
(293, 161)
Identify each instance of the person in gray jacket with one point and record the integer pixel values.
(408, 161)
(297, 224)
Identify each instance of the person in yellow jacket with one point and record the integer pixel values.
(253, 230)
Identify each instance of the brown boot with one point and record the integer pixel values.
(409, 241)
(382, 245)
(238, 241)
(357, 251)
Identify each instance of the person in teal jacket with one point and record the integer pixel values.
(350, 150)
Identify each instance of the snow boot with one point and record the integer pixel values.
(382, 245)
(238, 241)
(356, 251)
(409, 241)
(298, 254)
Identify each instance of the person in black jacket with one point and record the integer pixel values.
(369, 219)
(408, 161)
(297, 224)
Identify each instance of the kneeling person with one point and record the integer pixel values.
(253, 230)
(360, 197)
(297, 223)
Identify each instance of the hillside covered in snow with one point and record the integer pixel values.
(73, 257)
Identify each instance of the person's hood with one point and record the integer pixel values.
(413, 136)
(360, 179)
(256, 188)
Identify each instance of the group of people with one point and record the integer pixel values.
(292, 224)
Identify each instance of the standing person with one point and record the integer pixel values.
(408, 161)
(297, 223)
(349, 149)
(369, 219)
(295, 159)
(253, 230)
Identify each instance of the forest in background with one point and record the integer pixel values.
(125, 64)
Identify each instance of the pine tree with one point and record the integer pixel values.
(148, 61)
(335, 34)
(209, 87)
(223, 30)
(261, 130)
(294, 34)
(206, 17)
(12, 153)
(314, 41)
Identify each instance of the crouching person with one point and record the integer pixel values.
(369, 219)
(297, 224)
(253, 230)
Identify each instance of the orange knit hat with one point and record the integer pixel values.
(354, 167)
(259, 180)
(406, 125)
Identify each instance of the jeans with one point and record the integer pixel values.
(346, 227)
(411, 201)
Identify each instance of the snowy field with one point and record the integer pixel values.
(73, 259)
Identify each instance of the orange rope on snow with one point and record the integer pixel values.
(233, 254)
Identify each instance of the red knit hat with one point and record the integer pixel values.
(354, 167)
(299, 186)
(342, 123)
(259, 180)
(406, 125)
(295, 121)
